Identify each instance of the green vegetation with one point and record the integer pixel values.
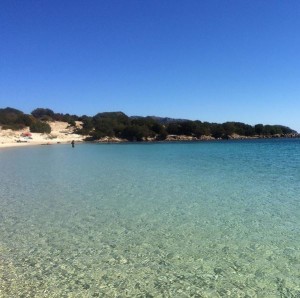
(14, 119)
(48, 115)
(41, 113)
(118, 124)
(41, 127)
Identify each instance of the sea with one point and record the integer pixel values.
(203, 219)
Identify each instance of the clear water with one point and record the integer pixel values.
(219, 219)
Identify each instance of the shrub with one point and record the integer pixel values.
(72, 122)
(40, 112)
(136, 133)
(9, 116)
(162, 136)
(41, 127)
(15, 126)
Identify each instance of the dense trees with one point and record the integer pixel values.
(118, 124)
(142, 128)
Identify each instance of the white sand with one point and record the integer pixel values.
(60, 133)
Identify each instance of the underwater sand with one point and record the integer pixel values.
(215, 219)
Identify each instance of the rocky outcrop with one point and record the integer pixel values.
(206, 138)
(111, 140)
(275, 136)
(185, 138)
(181, 138)
(239, 137)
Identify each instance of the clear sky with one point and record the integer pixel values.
(211, 60)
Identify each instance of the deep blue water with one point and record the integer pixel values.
(208, 219)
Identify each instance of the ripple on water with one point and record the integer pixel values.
(164, 220)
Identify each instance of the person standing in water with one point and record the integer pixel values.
(73, 144)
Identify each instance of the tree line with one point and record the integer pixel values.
(118, 124)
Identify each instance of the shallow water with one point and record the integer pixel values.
(215, 219)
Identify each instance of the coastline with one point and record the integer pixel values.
(62, 133)
(185, 138)
(33, 144)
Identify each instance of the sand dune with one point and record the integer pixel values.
(60, 133)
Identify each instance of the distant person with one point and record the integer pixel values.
(73, 144)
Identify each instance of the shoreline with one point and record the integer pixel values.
(61, 133)
(68, 142)
(34, 144)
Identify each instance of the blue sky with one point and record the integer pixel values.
(214, 60)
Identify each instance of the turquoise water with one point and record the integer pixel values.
(215, 219)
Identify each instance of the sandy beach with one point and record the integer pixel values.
(61, 133)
